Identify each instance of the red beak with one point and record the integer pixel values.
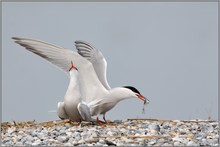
(141, 97)
(72, 66)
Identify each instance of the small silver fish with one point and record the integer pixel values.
(146, 101)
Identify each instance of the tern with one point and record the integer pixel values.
(94, 89)
(73, 107)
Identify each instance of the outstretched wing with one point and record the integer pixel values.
(96, 58)
(90, 86)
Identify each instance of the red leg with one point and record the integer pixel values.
(104, 118)
(99, 121)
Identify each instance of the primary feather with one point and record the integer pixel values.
(96, 58)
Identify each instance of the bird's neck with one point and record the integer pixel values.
(73, 79)
(73, 87)
(120, 93)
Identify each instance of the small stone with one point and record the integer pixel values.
(19, 137)
(137, 134)
(98, 144)
(74, 143)
(76, 134)
(33, 134)
(204, 142)
(68, 125)
(29, 139)
(144, 126)
(182, 131)
(109, 143)
(20, 132)
(165, 125)
(91, 140)
(153, 132)
(177, 121)
(101, 141)
(62, 139)
(201, 135)
(192, 143)
(176, 139)
(216, 136)
(176, 144)
(81, 141)
(151, 143)
(69, 134)
(28, 143)
(62, 132)
(123, 130)
(167, 144)
(109, 133)
(9, 143)
(77, 138)
(120, 144)
(11, 130)
(68, 144)
(36, 143)
(18, 144)
(162, 131)
(154, 127)
(6, 139)
(161, 140)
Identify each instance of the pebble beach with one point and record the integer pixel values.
(132, 132)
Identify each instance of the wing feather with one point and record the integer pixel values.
(90, 86)
(96, 58)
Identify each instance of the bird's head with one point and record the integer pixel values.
(137, 94)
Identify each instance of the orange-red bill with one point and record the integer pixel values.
(72, 66)
(141, 97)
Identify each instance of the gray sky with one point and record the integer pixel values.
(168, 51)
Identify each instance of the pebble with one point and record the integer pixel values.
(11, 130)
(19, 137)
(191, 143)
(62, 139)
(36, 143)
(116, 133)
(33, 134)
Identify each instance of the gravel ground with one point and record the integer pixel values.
(133, 132)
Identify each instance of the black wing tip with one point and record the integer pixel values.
(19, 38)
(21, 43)
(132, 89)
(78, 42)
(15, 38)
